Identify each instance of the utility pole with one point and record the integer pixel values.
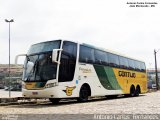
(9, 21)
(157, 81)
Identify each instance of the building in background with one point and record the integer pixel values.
(4, 68)
(15, 75)
(152, 77)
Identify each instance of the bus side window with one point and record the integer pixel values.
(86, 54)
(137, 65)
(100, 57)
(143, 68)
(113, 60)
(131, 64)
(123, 62)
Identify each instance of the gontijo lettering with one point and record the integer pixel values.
(126, 74)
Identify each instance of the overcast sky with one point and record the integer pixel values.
(109, 24)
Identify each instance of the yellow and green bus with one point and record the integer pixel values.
(65, 69)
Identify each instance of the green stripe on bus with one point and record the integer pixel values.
(100, 70)
(112, 78)
(107, 77)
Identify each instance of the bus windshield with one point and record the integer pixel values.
(38, 63)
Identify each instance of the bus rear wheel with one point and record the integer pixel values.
(54, 100)
(84, 93)
(137, 92)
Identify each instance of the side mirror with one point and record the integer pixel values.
(16, 59)
(55, 55)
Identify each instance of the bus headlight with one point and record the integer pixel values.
(49, 85)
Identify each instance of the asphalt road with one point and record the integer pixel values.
(148, 103)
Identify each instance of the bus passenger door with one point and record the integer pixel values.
(67, 62)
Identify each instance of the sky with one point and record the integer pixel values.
(110, 24)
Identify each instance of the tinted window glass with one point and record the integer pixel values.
(131, 64)
(86, 54)
(68, 61)
(39, 67)
(100, 57)
(44, 47)
(113, 60)
(137, 65)
(123, 62)
(143, 67)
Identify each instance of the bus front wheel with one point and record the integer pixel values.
(84, 93)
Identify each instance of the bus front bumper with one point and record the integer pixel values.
(45, 93)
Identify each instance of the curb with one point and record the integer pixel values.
(6, 100)
(18, 101)
(13, 101)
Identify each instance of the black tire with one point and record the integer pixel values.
(84, 93)
(137, 92)
(54, 100)
(132, 91)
